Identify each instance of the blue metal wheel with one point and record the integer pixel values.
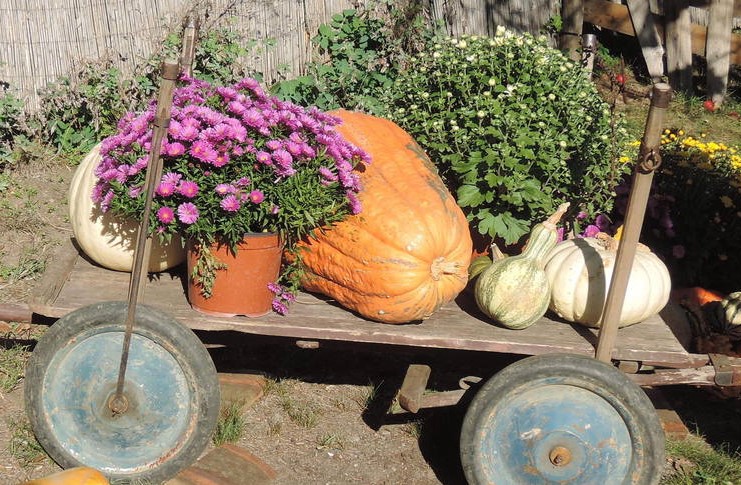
(561, 419)
(171, 391)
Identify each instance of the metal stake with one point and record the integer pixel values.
(648, 161)
(168, 73)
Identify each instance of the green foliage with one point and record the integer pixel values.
(12, 126)
(514, 126)
(79, 110)
(361, 56)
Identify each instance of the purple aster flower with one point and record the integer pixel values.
(282, 158)
(171, 178)
(165, 189)
(165, 215)
(279, 307)
(230, 203)
(257, 196)
(355, 206)
(221, 160)
(223, 189)
(188, 189)
(188, 213)
(275, 288)
(327, 174)
(174, 149)
(602, 222)
(236, 107)
(590, 231)
(243, 182)
(135, 191)
(188, 133)
(264, 158)
(273, 145)
(204, 151)
(275, 209)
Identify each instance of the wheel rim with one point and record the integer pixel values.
(81, 380)
(555, 432)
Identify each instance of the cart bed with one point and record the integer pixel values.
(75, 282)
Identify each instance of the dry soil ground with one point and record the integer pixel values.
(323, 419)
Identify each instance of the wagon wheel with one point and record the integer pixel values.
(560, 418)
(171, 389)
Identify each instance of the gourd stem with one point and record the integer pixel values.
(551, 222)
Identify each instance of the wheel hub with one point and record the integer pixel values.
(560, 456)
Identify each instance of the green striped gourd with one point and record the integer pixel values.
(728, 313)
(514, 291)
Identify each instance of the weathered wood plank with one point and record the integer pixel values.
(613, 16)
(572, 12)
(718, 49)
(458, 325)
(648, 37)
(55, 276)
(679, 46)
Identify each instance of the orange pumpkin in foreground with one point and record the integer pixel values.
(407, 253)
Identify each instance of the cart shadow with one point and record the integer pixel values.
(382, 367)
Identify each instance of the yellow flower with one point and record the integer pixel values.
(727, 202)
(624, 159)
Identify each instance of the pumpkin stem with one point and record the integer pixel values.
(441, 267)
(611, 244)
(551, 222)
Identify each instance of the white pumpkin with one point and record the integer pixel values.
(107, 239)
(580, 271)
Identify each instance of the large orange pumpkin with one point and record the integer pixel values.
(407, 253)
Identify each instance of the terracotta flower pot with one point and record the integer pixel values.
(242, 287)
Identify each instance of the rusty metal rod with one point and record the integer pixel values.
(648, 161)
(168, 73)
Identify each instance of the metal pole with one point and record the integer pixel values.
(168, 73)
(648, 161)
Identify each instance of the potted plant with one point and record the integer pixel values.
(236, 162)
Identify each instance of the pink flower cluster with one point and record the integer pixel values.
(213, 127)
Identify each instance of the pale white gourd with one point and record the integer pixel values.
(580, 271)
(105, 238)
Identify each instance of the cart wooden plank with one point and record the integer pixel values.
(458, 325)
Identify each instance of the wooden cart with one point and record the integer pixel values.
(651, 353)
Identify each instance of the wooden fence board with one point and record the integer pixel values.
(679, 46)
(717, 48)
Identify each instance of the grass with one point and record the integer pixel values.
(28, 267)
(330, 441)
(231, 424)
(688, 113)
(696, 462)
(23, 445)
(12, 365)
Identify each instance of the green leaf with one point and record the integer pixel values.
(469, 196)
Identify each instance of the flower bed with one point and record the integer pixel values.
(693, 217)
